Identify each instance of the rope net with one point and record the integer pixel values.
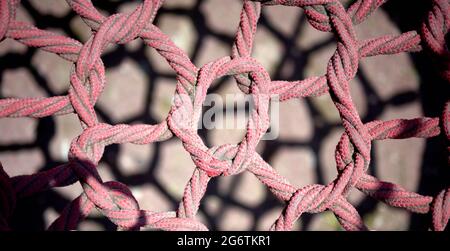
(352, 155)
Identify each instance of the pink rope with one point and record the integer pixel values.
(116, 202)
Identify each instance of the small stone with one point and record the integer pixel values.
(19, 83)
(175, 168)
(161, 101)
(23, 162)
(80, 28)
(260, 147)
(67, 128)
(95, 213)
(235, 219)
(267, 50)
(385, 218)
(399, 161)
(179, 3)
(11, 46)
(283, 18)
(268, 219)
(23, 16)
(377, 24)
(104, 170)
(158, 62)
(317, 63)
(150, 198)
(326, 108)
(128, 8)
(406, 111)
(225, 184)
(89, 225)
(212, 49)
(134, 45)
(325, 221)
(213, 205)
(124, 94)
(180, 30)
(355, 196)
(394, 80)
(229, 92)
(226, 136)
(294, 121)
(17, 130)
(296, 164)
(50, 215)
(51, 7)
(54, 69)
(201, 217)
(70, 192)
(250, 191)
(265, 222)
(227, 128)
(222, 21)
(310, 37)
(134, 159)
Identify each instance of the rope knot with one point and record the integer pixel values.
(186, 113)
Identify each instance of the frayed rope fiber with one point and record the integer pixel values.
(115, 200)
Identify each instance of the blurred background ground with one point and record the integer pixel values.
(140, 85)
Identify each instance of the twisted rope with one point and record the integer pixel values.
(116, 202)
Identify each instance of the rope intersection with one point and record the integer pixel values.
(115, 200)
